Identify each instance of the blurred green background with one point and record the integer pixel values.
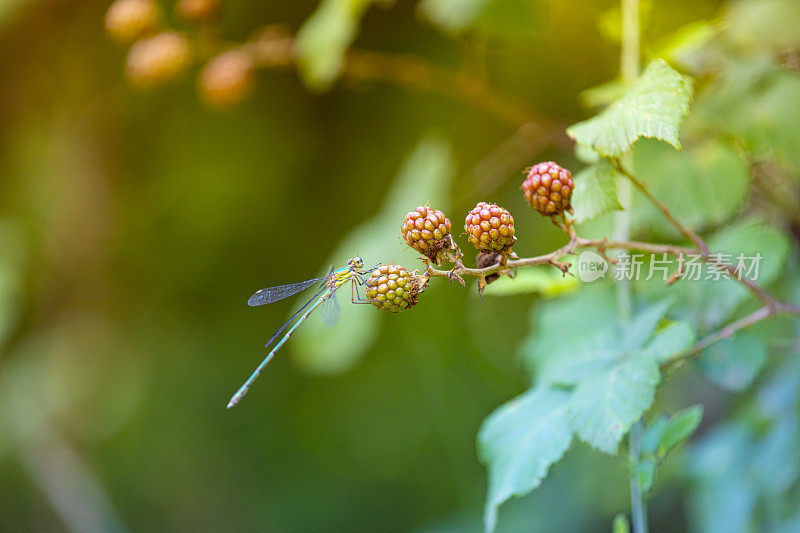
(134, 225)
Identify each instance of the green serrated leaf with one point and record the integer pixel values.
(620, 524)
(426, 174)
(680, 426)
(671, 341)
(654, 106)
(555, 358)
(603, 406)
(545, 281)
(595, 191)
(734, 363)
(519, 441)
(323, 39)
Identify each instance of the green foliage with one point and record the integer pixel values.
(709, 301)
(702, 186)
(665, 433)
(544, 281)
(324, 38)
(607, 372)
(654, 106)
(519, 442)
(767, 117)
(662, 435)
(620, 524)
(605, 405)
(734, 363)
(745, 469)
(595, 191)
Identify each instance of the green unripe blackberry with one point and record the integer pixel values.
(427, 231)
(393, 288)
(127, 20)
(227, 79)
(548, 188)
(158, 59)
(490, 228)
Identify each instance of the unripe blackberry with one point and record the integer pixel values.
(490, 228)
(393, 288)
(127, 20)
(158, 59)
(427, 231)
(227, 79)
(548, 188)
(198, 10)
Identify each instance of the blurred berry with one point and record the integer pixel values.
(393, 288)
(227, 79)
(158, 59)
(490, 228)
(427, 231)
(198, 10)
(128, 20)
(548, 188)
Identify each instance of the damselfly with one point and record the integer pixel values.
(353, 273)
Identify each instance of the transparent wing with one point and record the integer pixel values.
(294, 316)
(330, 311)
(273, 294)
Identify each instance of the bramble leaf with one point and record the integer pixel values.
(671, 341)
(654, 106)
(595, 191)
(519, 441)
(603, 407)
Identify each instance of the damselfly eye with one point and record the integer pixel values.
(356, 262)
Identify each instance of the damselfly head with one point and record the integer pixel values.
(356, 262)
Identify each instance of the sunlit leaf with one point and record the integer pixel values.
(654, 106)
(519, 441)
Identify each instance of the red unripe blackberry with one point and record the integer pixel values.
(227, 79)
(198, 10)
(427, 231)
(548, 188)
(393, 288)
(127, 20)
(158, 59)
(490, 228)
